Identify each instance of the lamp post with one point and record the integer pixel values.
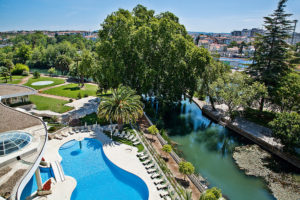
(293, 37)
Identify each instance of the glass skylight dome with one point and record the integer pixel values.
(13, 141)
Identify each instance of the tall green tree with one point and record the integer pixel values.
(85, 66)
(288, 93)
(9, 65)
(150, 53)
(270, 62)
(22, 53)
(123, 106)
(235, 92)
(186, 168)
(4, 73)
(63, 63)
(210, 74)
(286, 127)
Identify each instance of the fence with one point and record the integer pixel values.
(195, 180)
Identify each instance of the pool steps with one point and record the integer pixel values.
(57, 171)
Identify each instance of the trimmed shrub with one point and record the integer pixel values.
(20, 69)
(36, 74)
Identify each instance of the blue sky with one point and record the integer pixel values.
(196, 15)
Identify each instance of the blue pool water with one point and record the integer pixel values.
(31, 186)
(97, 177)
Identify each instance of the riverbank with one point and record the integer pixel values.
(257, 162)
(254, 132)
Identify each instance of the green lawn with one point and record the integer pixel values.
(56, 81)
(45, 103)
(15, 79)
(72, 90)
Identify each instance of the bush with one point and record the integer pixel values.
(36, 74)
(86, 95)
(79, 96)
(70, 100)
(52, 129)
(286, 127)
(211, 194)
(20, 69)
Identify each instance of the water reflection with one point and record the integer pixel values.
(209, 147)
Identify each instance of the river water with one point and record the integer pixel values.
(209, 147)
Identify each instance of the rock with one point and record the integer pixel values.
(258, 162)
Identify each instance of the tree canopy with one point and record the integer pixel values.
(270, 61)
(123, 106)
(150, 53)
(286, 127)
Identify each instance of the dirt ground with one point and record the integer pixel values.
(172, 165)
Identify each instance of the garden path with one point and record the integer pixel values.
(172, 165)
(54, 96)
(25, 80)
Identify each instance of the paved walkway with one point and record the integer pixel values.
(119, 154)
(172, 165)
(54, 86)
(25, 80)
(54, 96)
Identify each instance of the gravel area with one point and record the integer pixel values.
(14, 120)
(6, 188)
(281, 179)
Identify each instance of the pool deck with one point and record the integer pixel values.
(122, 155)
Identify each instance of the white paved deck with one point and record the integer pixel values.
(122, 155)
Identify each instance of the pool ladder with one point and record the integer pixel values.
(58, 172)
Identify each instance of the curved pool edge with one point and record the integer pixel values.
(107, 157)
(135, 167)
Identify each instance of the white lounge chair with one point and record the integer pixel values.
(58, 137)
(159, 182)
(146, 162)
(156, 175)
(144, 157)
(64, 134)
(164, 194)
(141, 154)
(131, 137)
(71, 133)
(150, 166)
(151, 171)
(162, 187)
(136, 143)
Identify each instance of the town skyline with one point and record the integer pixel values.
(197, 16)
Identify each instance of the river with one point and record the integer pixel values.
(209, 147)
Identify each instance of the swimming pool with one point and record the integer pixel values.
(97, 177)
(31, 186)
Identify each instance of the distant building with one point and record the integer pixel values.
(236, 33)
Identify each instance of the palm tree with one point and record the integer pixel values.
(123, 106)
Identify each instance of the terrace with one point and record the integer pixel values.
(22, 138)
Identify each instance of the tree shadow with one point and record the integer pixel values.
(183, 182)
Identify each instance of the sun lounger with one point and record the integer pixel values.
(71, 133)
(64, 134)
(150, 166)
(136, 143)
(58, 137)
(151, 171)
(156, 175)
(141, 154)
(144, 157)
(131, 137)
(135, 139)
(158, 182)
(147, 162)
(122, 135)
(162, 187)
(76, 131)
(164, 194)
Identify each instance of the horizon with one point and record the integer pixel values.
(196, 16)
